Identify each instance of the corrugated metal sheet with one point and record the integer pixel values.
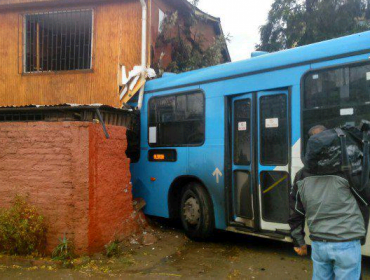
(71, 112)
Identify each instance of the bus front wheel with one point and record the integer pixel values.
(197, 212)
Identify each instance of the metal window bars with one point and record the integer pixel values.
(58, 41)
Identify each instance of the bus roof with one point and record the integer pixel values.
(328, 50)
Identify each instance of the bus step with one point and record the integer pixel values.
(283, 232)
(242, 227)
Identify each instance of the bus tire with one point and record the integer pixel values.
(196, 210)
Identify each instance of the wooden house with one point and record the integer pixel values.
(74, 51)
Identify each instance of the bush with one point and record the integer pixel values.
(112, 249)
(22, 229)
(64, 251)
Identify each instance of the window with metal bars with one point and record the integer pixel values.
(58, 41)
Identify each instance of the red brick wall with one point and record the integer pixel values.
(79, 180)
(111, 208)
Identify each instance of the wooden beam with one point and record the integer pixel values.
(131, 93)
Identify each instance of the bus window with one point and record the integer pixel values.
(242, 131)
(336, 97)
(274, 130)
(275, 199)
(177, 120)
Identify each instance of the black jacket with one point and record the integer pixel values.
(298, 213)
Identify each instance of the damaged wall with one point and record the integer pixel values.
(116, 43)
(78, 179)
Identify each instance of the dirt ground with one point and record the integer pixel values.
(229, 256)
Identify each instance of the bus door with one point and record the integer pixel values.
(243, 191)
(260, 161)
(273, 130)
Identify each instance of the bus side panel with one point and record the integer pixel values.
(204, 162)
(207, 162)
(338, 62)
(152, 180)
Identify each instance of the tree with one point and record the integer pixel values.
(293, 23)
(186, 44)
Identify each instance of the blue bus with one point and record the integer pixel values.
(220, 146)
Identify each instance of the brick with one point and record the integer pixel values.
(74, 175)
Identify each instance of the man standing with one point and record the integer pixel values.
(335, 220)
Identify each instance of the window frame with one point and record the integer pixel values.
(177, 94)
(23, 41)
(302, 90)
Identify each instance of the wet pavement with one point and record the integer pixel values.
(229, 256)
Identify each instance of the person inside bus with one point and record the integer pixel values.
(337, 227)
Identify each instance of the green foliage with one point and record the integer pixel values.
(22, 229)
(189, 48)
(294, 23)
(112, 249)
(64, 251)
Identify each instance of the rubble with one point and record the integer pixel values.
(149, 239)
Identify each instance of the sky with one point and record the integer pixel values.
(241, 19)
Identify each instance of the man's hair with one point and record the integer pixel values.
(316, 130)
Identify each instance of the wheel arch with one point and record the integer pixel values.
(175, 191)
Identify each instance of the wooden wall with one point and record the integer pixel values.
(117, 41)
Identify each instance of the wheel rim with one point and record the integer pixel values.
(192, 211)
